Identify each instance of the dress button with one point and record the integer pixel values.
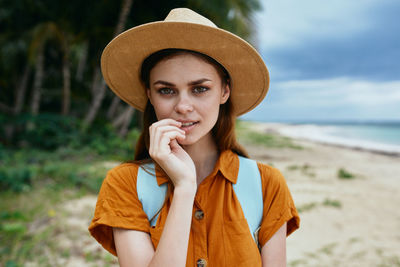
(201, 263)
(199, 214)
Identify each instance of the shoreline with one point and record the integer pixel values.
(344, 221)
(314, 133)
(346, 197)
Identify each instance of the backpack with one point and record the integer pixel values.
(248, 190)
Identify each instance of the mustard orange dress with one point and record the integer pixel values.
(220, 236)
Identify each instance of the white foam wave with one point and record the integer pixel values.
(324, 134)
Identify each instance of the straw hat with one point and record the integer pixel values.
(183, 28)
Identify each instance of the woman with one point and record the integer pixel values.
(191, 79)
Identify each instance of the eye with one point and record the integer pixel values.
(200, 89)
(165, 91)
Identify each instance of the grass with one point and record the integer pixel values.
(332, 203)
(305, 169)
(299, 262)
(344, 174)
(328, 249)
(23, 240)
(33, 182)
(307, 207)
(326, 203)
(248, 136)
(390, 261)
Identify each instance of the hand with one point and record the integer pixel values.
(166, 151)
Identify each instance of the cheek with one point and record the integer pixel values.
(161, 109)
(211, 110)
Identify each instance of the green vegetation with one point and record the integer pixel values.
(306, 207)
(22, 239)
(248, 136)
(343, 174)
(305, 168)
(327, 203)
(299, 262)
(332, 203)
(50, 59)
(34, 181)
(328, 249)
(58, 123)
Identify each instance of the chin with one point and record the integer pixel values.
(187, 142)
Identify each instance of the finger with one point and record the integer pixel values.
(179, 139)
(168, 122)
(166, 139)
(156, 131)
(167, 128)
(175, 145)
(160, 141)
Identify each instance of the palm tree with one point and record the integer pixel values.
(232, 15)
(100, 89)
(42, 33)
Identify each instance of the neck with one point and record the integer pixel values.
(204, 154)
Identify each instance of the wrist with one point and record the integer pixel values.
(187, 189)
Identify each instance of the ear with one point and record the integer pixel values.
(226, 91)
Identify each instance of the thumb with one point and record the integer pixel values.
(174, 145)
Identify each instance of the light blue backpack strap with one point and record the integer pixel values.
(149, 192)
(248, 190)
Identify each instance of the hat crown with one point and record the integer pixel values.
(189, 16)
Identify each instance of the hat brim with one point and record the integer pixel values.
(122, 59)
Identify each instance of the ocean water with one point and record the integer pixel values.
(377, 136)
(386, 133)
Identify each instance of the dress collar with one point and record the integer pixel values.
(227, 164)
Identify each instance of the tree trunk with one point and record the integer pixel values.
(130, 111)
(126, 7)
(95, 81)
(120, 119)
(19, 102)
(100, 90)
(82, 62)
(6, 109)
(113, 107)
(38, 81)
(66, 82)
(21, 90)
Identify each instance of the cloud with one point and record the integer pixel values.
(323, 99)
(335, 60)
(340, 91)
(315, 39)
(287, 23)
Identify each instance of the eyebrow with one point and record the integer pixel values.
(199, 81)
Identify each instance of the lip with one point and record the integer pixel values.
(182, 121)
(188, 129)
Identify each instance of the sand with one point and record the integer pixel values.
(344, 222)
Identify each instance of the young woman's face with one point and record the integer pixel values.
(190, 90)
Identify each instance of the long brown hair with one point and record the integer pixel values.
(224, 129)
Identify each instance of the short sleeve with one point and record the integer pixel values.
(118, 205)
(278, 204)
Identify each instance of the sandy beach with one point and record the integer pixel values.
(344, 222)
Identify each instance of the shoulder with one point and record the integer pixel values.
(269, 172)
(124, 175)
(271, 177)
(124, 168)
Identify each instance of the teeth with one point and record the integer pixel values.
(187, 124)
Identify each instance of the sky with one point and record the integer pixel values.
(333, 60)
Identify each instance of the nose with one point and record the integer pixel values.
(184, 104)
